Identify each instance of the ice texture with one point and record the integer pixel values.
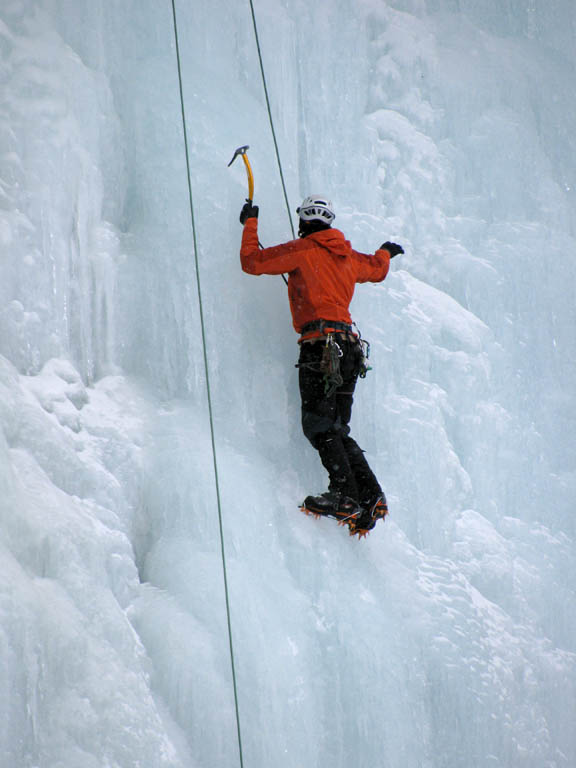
(448, 637)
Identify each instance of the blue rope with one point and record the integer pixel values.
(271, 120)
(208, 389)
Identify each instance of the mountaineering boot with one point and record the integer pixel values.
(371, 513)
(332, 504)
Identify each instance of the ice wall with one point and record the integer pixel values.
(446, 638)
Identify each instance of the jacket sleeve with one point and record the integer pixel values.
(372, 269)
(266, 261)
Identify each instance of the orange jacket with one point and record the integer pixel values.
(322, 269)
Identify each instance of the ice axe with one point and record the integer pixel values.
(242, 151)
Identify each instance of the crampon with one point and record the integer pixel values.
(362, 525)
(329, 504)
(359, 519)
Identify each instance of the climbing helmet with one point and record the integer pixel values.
(316, 208)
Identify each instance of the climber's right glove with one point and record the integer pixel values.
(393, 249)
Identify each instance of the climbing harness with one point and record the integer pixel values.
(329, 365)
(325, 326)
(208, 388)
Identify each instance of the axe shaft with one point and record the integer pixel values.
(250, 176)
(242, 151)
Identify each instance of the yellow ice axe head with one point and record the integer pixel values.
(242, 151)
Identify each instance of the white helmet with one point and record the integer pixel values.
(316, 208)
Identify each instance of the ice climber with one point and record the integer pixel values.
(323, 270)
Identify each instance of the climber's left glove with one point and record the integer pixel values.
(248, 211)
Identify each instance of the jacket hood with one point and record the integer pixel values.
(333, 241)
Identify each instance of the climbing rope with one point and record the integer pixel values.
(208, 389)
(203, 329)
(271, 120)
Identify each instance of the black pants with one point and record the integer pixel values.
(326, 419)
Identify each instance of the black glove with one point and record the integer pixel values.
(393, 249)
(248, 211)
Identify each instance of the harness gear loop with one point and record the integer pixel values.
(363, 350)
(330, 365)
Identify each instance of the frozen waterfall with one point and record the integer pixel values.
(448, 637)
